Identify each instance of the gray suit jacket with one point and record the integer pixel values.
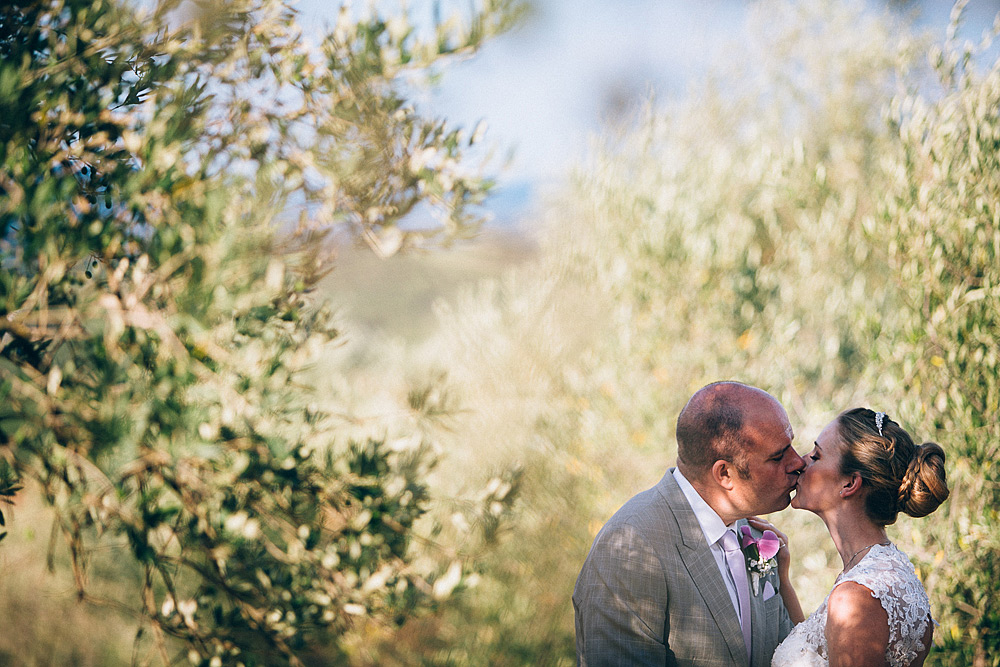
(650, 593)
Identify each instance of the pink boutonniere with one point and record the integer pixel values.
(760, 554)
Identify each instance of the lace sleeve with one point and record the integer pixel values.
(892, 580)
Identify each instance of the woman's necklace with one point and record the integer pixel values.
(881, 544)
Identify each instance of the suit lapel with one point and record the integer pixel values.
(704, 571)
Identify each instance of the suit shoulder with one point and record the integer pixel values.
(647, 514)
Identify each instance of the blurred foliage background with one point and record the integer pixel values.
(214, 443)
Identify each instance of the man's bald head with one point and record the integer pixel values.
(712, 426)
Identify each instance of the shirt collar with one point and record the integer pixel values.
(710, 522)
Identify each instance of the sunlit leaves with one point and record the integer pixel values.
(944, 246)
(156, 313)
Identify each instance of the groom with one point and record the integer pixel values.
(658, 587)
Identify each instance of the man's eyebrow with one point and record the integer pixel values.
(780, 452)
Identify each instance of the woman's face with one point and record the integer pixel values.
(821, 482)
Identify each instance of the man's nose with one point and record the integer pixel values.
(798, 464)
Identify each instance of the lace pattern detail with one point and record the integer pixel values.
(889, 575)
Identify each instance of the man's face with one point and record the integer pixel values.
(773, 465)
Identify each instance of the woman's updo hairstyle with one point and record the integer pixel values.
(899, 476)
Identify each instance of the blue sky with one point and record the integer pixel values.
(546, 87)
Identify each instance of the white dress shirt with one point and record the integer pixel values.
(713, 528)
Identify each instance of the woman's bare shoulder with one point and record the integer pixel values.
(851, 601)
(857, 627)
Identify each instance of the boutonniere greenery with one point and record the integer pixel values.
(760, 555)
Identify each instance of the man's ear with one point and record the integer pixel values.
(722, 474)
(852, 486)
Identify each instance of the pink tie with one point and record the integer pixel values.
(738, 570)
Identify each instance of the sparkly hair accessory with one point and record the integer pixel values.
(879, 416)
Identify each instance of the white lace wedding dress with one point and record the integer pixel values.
(888, 573)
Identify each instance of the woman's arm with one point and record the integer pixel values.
(788, 595)
(857, 627)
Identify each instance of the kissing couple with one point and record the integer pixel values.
(686, 573)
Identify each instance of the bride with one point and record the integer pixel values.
(863, 471)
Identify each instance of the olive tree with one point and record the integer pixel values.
(157, 306)
(940, 231)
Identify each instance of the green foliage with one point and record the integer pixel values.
(162, 400)
(9, 486)
(941, 222)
